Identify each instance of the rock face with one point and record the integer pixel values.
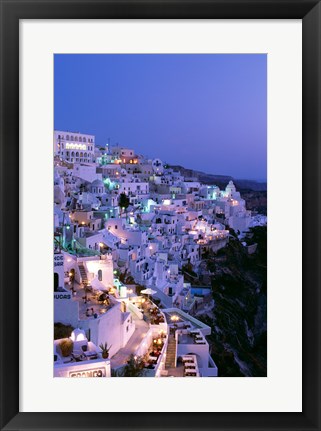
(238, 320)
(256, 201)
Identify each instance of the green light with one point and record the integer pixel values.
(67, 227)
(110, 184)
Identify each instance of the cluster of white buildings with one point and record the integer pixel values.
(157, 238)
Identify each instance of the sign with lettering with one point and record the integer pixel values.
(75, 146)
(62, 296)
(58, 260)
(92, 372)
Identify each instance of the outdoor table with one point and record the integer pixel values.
(90, 354)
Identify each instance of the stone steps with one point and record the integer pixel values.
(171, 353)
(83, 273)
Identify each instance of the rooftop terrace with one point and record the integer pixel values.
(92, 303)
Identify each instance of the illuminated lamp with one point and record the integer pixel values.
(78, 335)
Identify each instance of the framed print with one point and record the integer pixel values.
(173, 151)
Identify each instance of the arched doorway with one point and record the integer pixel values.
(56, 281)
(72, 274)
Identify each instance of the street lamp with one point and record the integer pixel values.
(175, 319)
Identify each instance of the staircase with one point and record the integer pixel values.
(83, 273)
(171, 353)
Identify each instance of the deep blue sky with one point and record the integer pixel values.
(205, 112)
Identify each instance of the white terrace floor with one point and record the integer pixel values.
(122, 355)
(90, 303)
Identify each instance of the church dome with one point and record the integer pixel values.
(97, 183)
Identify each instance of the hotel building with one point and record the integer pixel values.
(74, 147)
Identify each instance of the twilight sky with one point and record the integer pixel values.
(205, 112)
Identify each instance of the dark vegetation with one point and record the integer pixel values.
(126, 278)
(133, 368)
(239, 287)
(62, 331)
(123, 201)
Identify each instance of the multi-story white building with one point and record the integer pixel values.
(74, 147)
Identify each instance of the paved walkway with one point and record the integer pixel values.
(121, 357)
(176, 371)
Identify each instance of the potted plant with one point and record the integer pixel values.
(105, 350)
(66, 346)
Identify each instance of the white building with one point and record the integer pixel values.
(74, 147)
(85, 358)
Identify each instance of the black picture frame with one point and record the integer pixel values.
(11, 12)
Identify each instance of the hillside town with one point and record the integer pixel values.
(130, 234)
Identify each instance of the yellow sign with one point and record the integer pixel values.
(75, 146)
